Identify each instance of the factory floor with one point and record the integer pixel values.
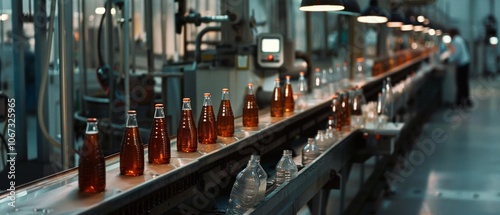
(459, 170)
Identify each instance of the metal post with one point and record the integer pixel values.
(325, 34)
(18, 42)
(43, 149)
(148, 12)
(132, 46)
(83, 58)
(110, 61)
(163, 31)
(126, 50)
(65, 16)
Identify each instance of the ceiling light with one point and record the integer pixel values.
(446, 39)
(432, 32)
(351, 8)
(421, 19)
(321, 5)
(395, 21)
(373, 14)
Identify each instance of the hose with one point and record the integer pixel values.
(41, 95)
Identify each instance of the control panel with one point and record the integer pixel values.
(270, 53)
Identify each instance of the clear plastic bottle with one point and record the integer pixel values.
(302, 92)
(225, 117)
(132, 150)
(245, 190)
(277, 109)
(388, 97)
(187, 136)
(159, 141)
(356, 109)
(286, 169)
(331, 130)
(317, 85)
(207, 127)
(310, 151)
(91, 169)
(250, 109)
(321, 141)
(289, 101)
(263, 179)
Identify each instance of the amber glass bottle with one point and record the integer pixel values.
(337, 112)
(159, 141)
(289, 101)
(250, 109)
(277, 109)
(225, 117)
(132, 151)
(92, 170)
(207, 128)
(187, 140)
(346, 109)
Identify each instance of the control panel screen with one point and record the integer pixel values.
(270, 45)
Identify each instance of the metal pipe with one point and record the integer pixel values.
(163, 31)
(18, 42)
(41, 45)
(125, 51)
(83, 58)
(110, 61)
(199, 36)
(132, 47)
(148, 18)
(65, 17)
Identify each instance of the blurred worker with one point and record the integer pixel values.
(461, 58)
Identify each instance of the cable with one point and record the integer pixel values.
(41, 96)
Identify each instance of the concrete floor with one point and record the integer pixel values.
(462, 174)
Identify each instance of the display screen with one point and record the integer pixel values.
(270, 45)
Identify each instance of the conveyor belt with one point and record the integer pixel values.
(164, 186)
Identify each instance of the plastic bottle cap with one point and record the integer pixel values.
(158, 105)
(287, 77)
(250, 85)
(206, 94)
(225, 90)
(91, 119)
(131, 112)
(186, 99)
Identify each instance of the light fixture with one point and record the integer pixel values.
(493, 40)
(373, 14)
(446, 39)
(439, 32)
(4, 17)
(407, 25)
(102, 10)
(396, 20)
(432, 32)
(421, 19)
(321, 5)
(418, 28)
(351, 8)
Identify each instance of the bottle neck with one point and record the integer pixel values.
(131, 121)
(225, 95)
(311, 141)
(91, 128)
(159, 113)
(207, 101)
(250, 90)
(276, 84)
(186, 105)
(287, 81)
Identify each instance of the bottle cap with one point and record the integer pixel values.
(287, 77)
(301, 73)
(131, 112)
(250, 84)
(331, 118)
(91, 119)
(317, 70)
(277, 80)
(186, 99)
(158, 105)
(224, 90)
(206, 94)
